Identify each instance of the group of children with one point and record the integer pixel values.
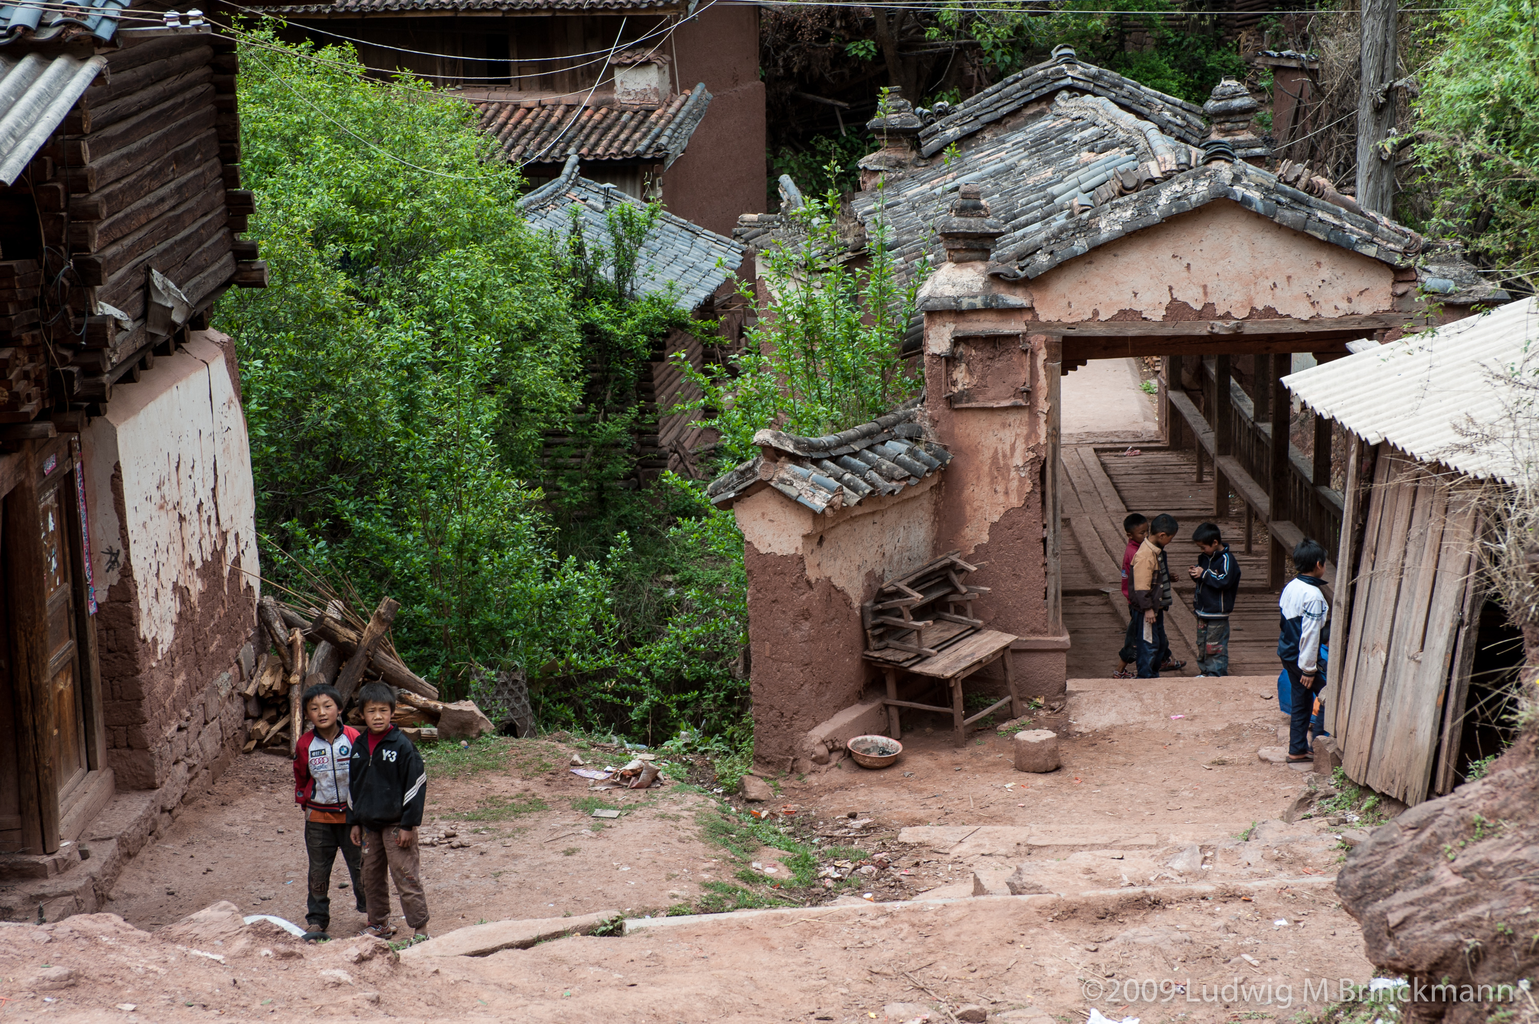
(363, 795)
(1216, 577)
(1146, 587)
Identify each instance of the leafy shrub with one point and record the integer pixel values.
(826, 354)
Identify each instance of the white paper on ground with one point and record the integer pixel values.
(288, 926)
(1096, 1017)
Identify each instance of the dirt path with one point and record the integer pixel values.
(1105, 844)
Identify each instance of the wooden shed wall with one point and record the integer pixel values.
(1400, 678)
(143, 175)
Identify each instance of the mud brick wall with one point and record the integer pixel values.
(172, 516)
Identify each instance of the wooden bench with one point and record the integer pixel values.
(922, 624)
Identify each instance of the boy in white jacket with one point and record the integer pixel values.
(1304, 609)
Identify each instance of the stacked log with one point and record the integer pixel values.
(314, 646)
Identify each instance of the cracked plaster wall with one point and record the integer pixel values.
(1218, 262)
(173, 536)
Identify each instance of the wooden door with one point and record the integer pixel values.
(11, 838)
(68, 726)
(1412, 591)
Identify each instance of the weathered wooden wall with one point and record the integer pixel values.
(144, 175)
(1399, 682)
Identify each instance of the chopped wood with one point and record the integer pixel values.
(324, 662)
(250, 689)
(373, 633)
(297, 643)
(272, 621)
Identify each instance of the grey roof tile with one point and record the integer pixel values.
(837, 471)
(676, 253)
(44, 20)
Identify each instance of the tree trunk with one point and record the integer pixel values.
(1376, 107)
(887, 42)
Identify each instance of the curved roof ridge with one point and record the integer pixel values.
(1176, 118)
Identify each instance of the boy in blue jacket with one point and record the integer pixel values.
(389, 791)
(1217, 576)
(1303, 609)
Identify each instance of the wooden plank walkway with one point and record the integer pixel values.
(1100, 487)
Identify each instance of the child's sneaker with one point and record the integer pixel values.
(378, 931)
(1125, 673)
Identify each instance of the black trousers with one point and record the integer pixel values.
(322, 841)
(1303, 709)
(1129, 652)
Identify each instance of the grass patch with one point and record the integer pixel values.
(449, 760)
(502, 808)
(589, 804)
(742, 837)
(535, 757)
(1350, 799)
(720, 897)
(845, 853)
(1245, 836)
(570, 851)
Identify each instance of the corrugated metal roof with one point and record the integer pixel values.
(675, 253)
(534, 130)
(36, 93)
(383, 6)
(50, 19)
(1433, 394)
(838, 470)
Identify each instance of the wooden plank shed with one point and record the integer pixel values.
(1436, 422)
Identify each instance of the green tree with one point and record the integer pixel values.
(1477, 139)
(399, 373)
(826, 353)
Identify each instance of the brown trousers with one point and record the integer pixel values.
(381, 850)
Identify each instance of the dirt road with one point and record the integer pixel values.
(1158, 883)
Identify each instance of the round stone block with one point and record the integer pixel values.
(1036, 750)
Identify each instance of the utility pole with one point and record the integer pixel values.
(1376, 107)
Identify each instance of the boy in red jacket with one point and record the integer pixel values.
(321, 786)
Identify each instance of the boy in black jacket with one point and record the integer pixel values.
(1217, 576)
(389, 789)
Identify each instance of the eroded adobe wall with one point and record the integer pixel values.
(173, 537)
(1217, 262)
(721, 174)
(808, 575)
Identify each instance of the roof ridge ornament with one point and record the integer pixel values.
(895, 120)
(968, 232)
(1063, 53)
(1231, 109)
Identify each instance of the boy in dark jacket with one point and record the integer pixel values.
(1217, 576)
(389, 787)
(321, 767)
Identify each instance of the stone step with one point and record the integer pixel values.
(788, 915)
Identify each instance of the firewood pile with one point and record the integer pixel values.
(334, 645)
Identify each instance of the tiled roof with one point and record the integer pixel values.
(530, 130)
(43, 20)
(511, 6)
(839, 470)
(36, 93)
(1086, 171)
(675, 254)
(1174, 117)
